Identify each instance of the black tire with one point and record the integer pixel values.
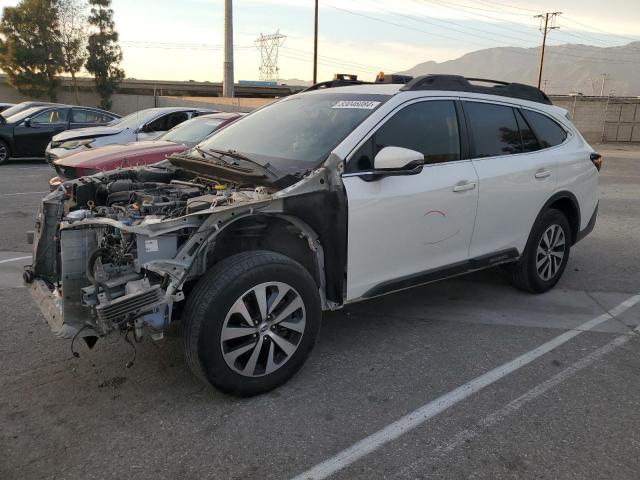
(524, 272)
(5, 152)
(210, 302)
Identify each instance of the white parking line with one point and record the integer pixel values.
(21, 193)
(437, 406)
(512, 407)
(17, 259)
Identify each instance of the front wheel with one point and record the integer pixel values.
(546, 254)
(4, 152)
(251, 322)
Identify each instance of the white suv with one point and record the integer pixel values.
(319, 200)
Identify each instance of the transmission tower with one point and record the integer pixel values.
(269, 46)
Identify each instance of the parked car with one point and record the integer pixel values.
(27, 133)
(4, 106)
(178, 139)
(314, 202)
(146, 124)
(20, 107)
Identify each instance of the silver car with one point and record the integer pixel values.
(148, 124)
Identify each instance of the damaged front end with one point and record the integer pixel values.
(112, 252)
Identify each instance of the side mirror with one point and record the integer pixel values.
(27, 122)
(398, 161)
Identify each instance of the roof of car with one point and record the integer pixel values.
(392, 89)
(221, 115)
(179, 109)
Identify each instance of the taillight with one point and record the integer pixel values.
(596, 159)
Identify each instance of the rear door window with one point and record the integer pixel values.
(548, 132)
(167, 122)
(494, 129)
(428, 127)
(90, 116)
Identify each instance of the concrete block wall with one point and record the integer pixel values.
(597, 118)
(216, 103)
(602, 118)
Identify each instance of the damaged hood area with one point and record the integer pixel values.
(113, 251)
(89, 132)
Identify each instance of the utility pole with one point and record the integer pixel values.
(227, 85)
(315, 46)
(547, 24)
(604, 79)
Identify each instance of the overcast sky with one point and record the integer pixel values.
(182, 40)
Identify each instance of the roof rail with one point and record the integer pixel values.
(339, 80)
(393, 78)
(459, 83)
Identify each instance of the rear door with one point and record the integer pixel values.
(32, 140)
(82, 117)
(402, 228)
(162, 124)
(516, 176)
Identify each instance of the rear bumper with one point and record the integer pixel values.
(590, 226)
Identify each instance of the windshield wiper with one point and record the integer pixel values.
(211, 153)
(240, 156)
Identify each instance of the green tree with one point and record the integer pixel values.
(73, 37)
(30, 50)
(105, 54)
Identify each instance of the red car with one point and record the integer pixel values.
(110, 157)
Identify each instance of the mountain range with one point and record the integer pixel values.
(568, 68)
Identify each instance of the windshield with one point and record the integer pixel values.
(192, 131)
(298, 131)
(16, 109)
(135, 120)
(18, 117)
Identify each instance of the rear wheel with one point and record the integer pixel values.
(546, 254)
(4, 152)
(251, 322)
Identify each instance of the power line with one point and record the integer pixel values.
(179, 46)
(510, 6)
(633, 39)
(378, 68)
(333, 62)
(464, 29)
(452, 6)
(300, 58)
(388, 22)
(445, 4)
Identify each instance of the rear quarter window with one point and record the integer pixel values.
(547, 131)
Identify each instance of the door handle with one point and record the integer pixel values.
(464, 186)
(543, 174)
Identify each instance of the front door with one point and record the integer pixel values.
(404, 228)
(32, 140)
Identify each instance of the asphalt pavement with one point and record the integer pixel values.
(466, 378)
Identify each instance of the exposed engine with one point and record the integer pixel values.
(103, 244)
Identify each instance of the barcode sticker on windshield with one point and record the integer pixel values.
(361, 104)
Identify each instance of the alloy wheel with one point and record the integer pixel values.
(4, 153)
(263, 329)
(550, 252)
